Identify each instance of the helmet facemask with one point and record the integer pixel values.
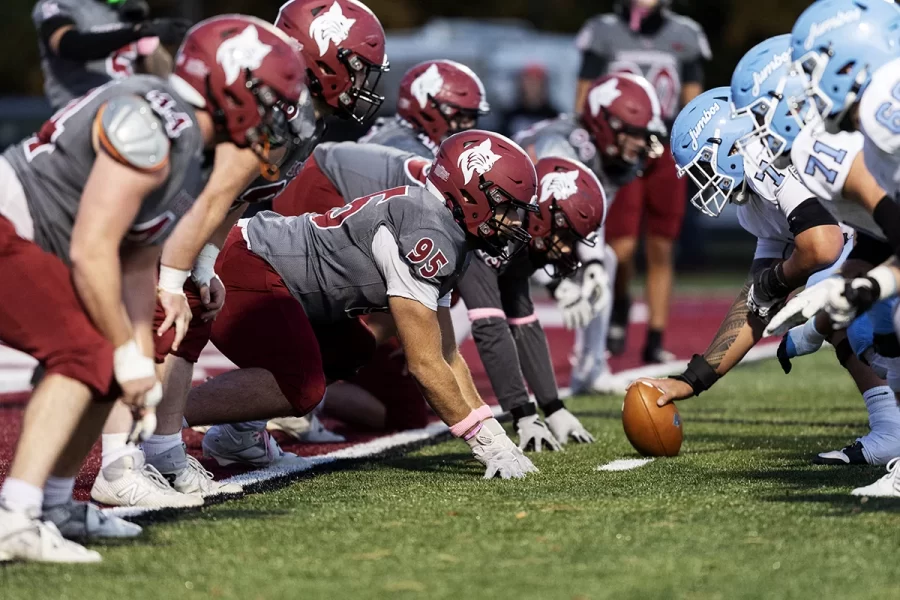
(714, 189)
(360, 102)
(504, 234)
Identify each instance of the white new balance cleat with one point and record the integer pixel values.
(310, 430)
(886, 487)
(130, 482)
(187, 475)
(26, 537)
(84, 521)
(609, 384)
(254, 448)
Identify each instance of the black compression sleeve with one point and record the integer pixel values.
(592, 66)
(887, 216)
(51, 25)
(810, 213)
(85, 46)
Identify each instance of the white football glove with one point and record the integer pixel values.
(804, 306)
(205, 266)
(581, 303)
(532, 431)
(493, 448)
(564, 425)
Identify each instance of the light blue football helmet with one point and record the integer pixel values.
(761, 86)
(705, 146)
(838, 45)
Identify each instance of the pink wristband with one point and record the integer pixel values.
(484, 412)
(466, 424)
(472, 432)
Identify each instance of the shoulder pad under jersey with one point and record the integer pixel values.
(130, 132)
(879, 108)
(823, 160)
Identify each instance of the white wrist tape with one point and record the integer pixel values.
(887, 283)
(172, 280)
(129, 363)
(205, 266)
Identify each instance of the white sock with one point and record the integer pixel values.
(21, 496)
(184, 423)
(58, 490)
(806, 338)
(883, 441)
(115, 446)
(160, 444)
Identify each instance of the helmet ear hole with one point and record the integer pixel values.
(467, 197)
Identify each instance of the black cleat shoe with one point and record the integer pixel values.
(851, 455)
(657, 356)
(615, 339)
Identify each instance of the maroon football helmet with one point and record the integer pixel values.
(478, 172)
(242, 70)
(623, 103)
(343, 43)
(441, 97)
(572, 207)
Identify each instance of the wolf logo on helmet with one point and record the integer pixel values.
(427, 85)
(330, 27)
(560, 185)
(477, 159)
(243, 51)
(604, 95)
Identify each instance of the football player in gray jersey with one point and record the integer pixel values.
(644, 37)
(506, 329)
(342, 71)
(87, 202)
(86, 43)
(618, 129)
(437, 99)
(293, 280)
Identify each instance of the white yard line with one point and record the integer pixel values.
(624, 464)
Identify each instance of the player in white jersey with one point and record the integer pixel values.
(831, 168)
(796, 236)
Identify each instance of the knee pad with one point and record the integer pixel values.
(860, 334)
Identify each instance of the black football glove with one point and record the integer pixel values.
(169, 31)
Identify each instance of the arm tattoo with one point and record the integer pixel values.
(738, 316)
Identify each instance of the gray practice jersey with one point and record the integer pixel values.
(397, 132)
(357, 170)
(565, 137)
(328, 263)
(53, 165)
(66, 79)
(668, 56)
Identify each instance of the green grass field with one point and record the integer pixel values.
(740, 514)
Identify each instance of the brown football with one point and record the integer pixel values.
(653, 431)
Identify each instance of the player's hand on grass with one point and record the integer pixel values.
(213, 298)
(534, 434)
(501, 458)
(178, 314)
(672, 389)
(565, 425)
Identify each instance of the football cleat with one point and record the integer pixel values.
(886, 487)
(310, 430)
(130, 482)
(616, 339)
(26, 537)
(609, 384)
(254, 448)
(84, 521)
(850, 455)
(186, 475)
(657, 356)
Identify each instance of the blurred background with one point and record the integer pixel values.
(504, 41)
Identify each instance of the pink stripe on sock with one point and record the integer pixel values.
(486, 313)
(532, 318)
